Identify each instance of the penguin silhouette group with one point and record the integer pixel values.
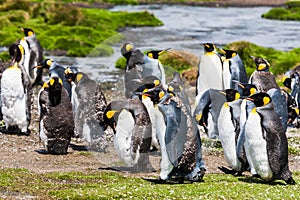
(249, 116)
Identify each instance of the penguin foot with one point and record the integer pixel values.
(196, 175)
(290, 181)
(230, 171)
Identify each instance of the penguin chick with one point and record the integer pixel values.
(56, 123)
(16, 93)
(262, 78)
(34, 53)
(265, 141)
(88, 103)
(55, 70)
(132, 127)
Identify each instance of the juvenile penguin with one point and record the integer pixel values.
(265, 141)
(88, 103)
(56, 123)
(56, 70)
(262, 78)
(233, 69)
(229, 128)
(35, 54)
(209, 71)
(132, 127)
(16, 93)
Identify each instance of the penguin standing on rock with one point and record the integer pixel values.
(16, 93)
(88, 103)
(132, 127)
(262, 78)
(56, 124)
(209, 71)
(265, 141)
(35, 56)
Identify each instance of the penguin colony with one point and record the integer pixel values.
(249, 117)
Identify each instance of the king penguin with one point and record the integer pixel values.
(55, 70)
(88, 103)
(209, 71)
(229, 128)
(233, 69)
(132, 127)
(181, 143)
(35, 56)
(262, 78)
(265, 141)
(56, 123)
(16, 93)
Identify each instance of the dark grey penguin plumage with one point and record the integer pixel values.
(56, 125)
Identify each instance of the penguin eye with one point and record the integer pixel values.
(266, 100)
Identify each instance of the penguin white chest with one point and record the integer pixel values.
(13, 99)
(256, 147)
(123, 138)
(227, 137)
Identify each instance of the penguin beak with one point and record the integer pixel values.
(137, 80)
(250, 99)
(221, 92)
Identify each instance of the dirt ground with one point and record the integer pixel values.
(19, 151)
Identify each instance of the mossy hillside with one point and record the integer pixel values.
(290, 12)
(111, 185)
(77, 31)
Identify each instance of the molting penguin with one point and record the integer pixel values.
(132, 127)
(209, 71)
(233, 69)
(55, 70)
(207, 111)
(262, 78)
(16, 93)
(181, 143)
(265, 141)
(229, 128)
(56, 125)
(88, 103)
(35, 54)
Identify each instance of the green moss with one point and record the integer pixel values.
(288, 13)
(78, 31)
(4, 56)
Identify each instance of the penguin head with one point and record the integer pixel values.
(54, 88)
(176, 84)
(155, 94)
(46, 64)
(286, 79)
(16, 52)
(136, 59)
(27, 32)
(231, 94)
(126, 49)
(261, 64)
(156, 53)
(229, 53)
(247, 89)
(209, 47)
(148, 83)
(260, 99)
(70, 74)
(111, 113)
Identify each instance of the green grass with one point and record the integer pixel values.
(59, 26)
(109, 185)
(290, 12)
